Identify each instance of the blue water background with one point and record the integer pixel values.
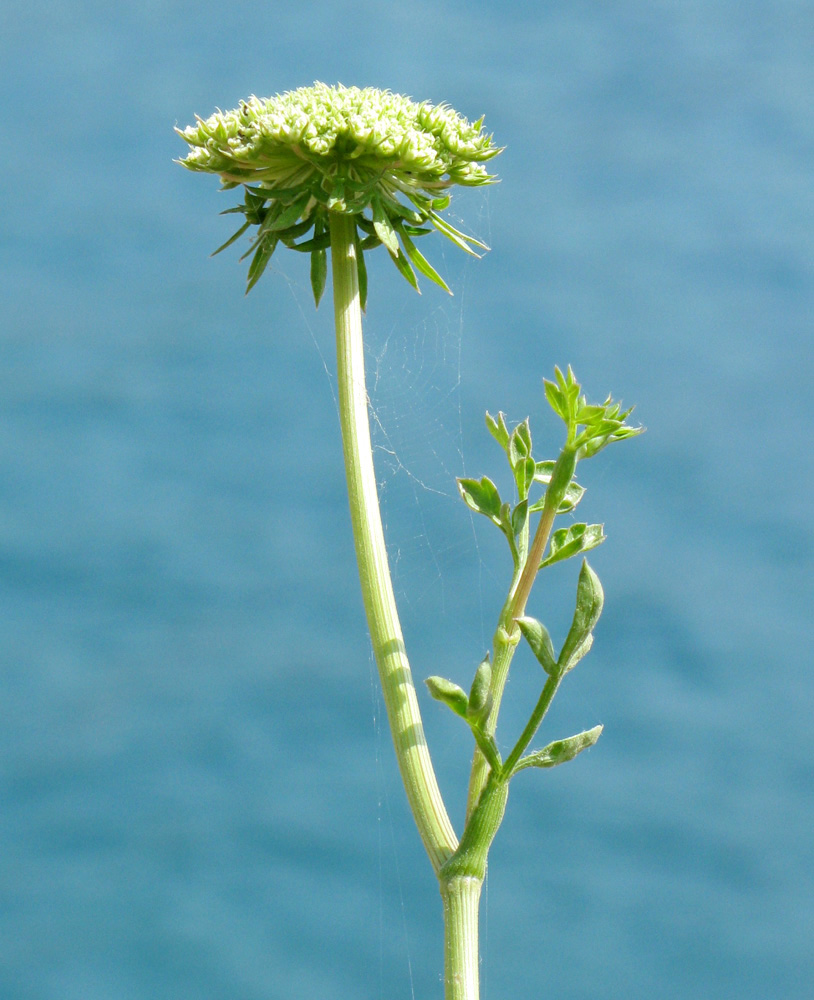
(197, 792)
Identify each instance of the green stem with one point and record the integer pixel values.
(473, 850)
(504, 645)
(400, 698)
(461, 896)
(461, 879)
(530, 570)
(505, 642)
(537, 716)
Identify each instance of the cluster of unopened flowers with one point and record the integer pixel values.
(323, 148)
(369, 128)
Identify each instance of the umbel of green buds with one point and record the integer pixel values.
(368, 153)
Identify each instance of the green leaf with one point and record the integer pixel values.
(567, 542)
(481, 496)
(488, 747)
(556, 399)
(420, 261)
(319, 274)
(451, 233)
(261, 257)
(289, 214)
(573, 494)
(479, 703)
(266, 194)
(569, 385)
(582, 650)
(307, 246)
(335, 202)
(520, 515)
(319, 261)
(266, 217)
(536, 635)
(543, 470)
(524, 471)
(602, 424)
(505, 522)
(590, 599)
(257, 197)
(560, 751)
(563, 395)
(384, 227)
(231, 239)
(403, 265)
(498, 429)
(291, 233)
(605, 436)
(520, 443)
(588, 414)
(361, 273)
(398, 211)
(450, 694)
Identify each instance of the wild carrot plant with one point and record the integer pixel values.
(347, 170)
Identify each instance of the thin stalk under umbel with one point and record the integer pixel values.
(398, 688)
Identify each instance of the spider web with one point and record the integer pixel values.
(414, 389)
(413, 362)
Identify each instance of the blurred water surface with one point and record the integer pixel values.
(197, 792)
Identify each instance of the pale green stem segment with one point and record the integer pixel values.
(400, 699)
(505, 641)
(533, 724)
(461, 879)
(535, 557)
(461, 897)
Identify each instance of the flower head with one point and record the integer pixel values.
(368, 153)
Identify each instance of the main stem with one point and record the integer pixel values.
(400, 698)
(461, 898)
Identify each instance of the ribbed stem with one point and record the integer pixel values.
(530, 570)
(374, 572)
(505, 643)
(461, 896)
(537, 716)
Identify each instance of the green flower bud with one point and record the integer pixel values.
(480, 695)
(346, 149)
(450, 694)
(560, 751)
